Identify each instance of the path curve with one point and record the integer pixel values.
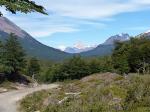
(8, 101)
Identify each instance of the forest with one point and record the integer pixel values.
(132, 56)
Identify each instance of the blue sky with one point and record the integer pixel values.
(84, 22)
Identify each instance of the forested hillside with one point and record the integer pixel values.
(31, 46)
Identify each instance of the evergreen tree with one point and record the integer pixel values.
(24, 6)
(1, 50)
(1, 56)
(13, 57)
(120, 58)
(33, 67)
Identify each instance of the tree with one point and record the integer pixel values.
(132, 56)
(75, 68)
(13, 57)
(94, 66)
(23, 6)
(33, 67)
(120, 58)
(1, 50)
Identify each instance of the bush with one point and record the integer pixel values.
(76, 68)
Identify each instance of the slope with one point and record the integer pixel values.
(31, 46)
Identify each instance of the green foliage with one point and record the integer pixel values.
(33, 67)
(76, 68)
(1, 67)
(132, 56)
(13, 56)
(119, 58)
(24, 6)
(52, 74)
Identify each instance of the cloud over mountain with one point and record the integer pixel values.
(69, 15)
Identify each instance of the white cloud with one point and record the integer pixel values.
(69, 15)
(52, 30)
(42, 26)
(93, 9)
(82, 45)
(61, 47)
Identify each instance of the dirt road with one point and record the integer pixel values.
(8, 101)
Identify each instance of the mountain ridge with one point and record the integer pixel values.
(31, 45)
(107, 47)
(78, 50)
(119, 37)
(39, 50)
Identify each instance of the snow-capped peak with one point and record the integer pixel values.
(147, 31)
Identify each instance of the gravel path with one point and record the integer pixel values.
(8, 101)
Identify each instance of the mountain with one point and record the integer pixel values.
(111, 40)
(101, 50)
(31, 46)
(145, 34)
(78, 50)
(107, 47)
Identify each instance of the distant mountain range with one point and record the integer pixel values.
(145, 34)
(35, 48)
(122, 37)
(107, 47)
(108, 43)
(32, 46)
(78, 50)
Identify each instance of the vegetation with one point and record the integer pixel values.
(132, 56)
(13, 57)
(33, 67)
(96, 93)
(24, 6)
(76, 68)
(128, 57)
(1, 55)
(13, 61)
(103, 92)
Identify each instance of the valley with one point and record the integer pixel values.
(37, 49)
(74, 56)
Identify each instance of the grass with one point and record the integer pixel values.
(98, 93)
(8, 85)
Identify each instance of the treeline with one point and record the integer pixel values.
(130, 56)
(13, 59)
(76, 68)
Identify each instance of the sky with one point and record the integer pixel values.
(83, 23)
